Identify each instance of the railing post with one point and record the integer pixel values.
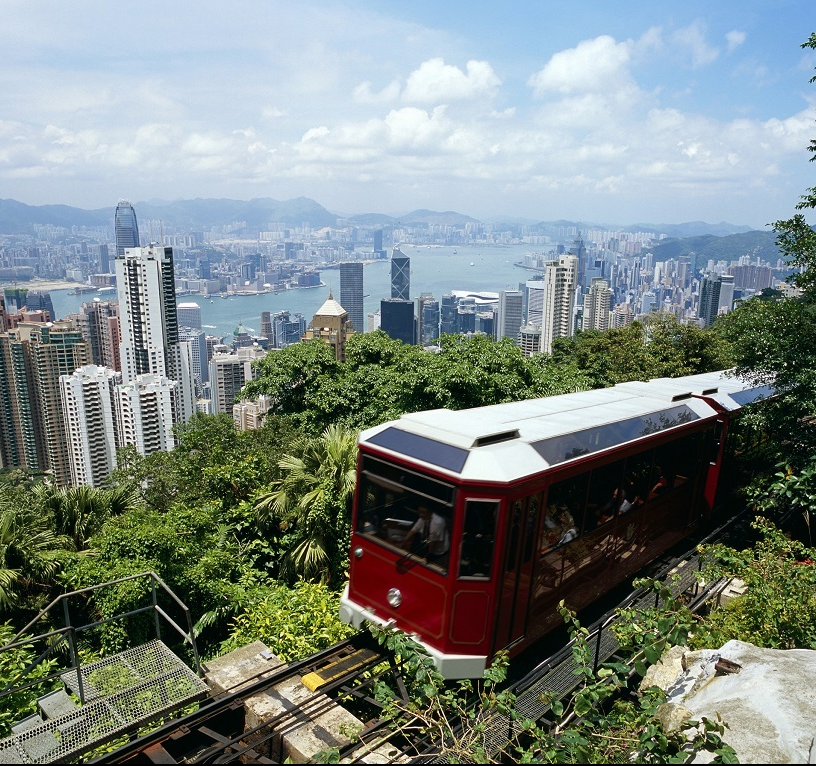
(155, 607)
(597, 649)
(72, 650)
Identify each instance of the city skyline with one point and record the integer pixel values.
(664, 112)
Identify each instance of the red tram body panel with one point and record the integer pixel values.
(470, 526)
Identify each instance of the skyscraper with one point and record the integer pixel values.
(709, 299)
(397, 320)
(149, 322)
(91, 424)
(229, 373)
(33, 356)
(127, 230)
(332, 325)
(427, 319)
(560, 286)
(509, 317)
(400, 276)
(351, 293)
(189, 315)
(597, 305)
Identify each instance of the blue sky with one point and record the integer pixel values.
(615, 113)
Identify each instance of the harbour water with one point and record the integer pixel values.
(436, 270)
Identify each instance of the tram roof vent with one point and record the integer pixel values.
(708, 391)
(504, 436)
(680, 397)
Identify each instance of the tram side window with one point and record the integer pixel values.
(675, 464)
(477, 538)
(565, 512)
(405, 519)
(605, 497)
(636, 478)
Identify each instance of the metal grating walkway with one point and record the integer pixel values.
(121, 693)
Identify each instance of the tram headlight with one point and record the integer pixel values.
(358, 553)
(394, 597)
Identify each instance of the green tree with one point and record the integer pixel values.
(313, 499)
(80, 512)
(31, 553)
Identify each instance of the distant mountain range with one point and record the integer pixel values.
(258, 214)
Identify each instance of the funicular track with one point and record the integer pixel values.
(216, 733)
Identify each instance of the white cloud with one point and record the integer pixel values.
(735, 38)
(436, 82)
(593, 66)
(364, 95)
(691, 40)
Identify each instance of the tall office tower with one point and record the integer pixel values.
(579, 250)
(189, 315)
(726, 302)
(99, 324)
(397, 320)
(149, 321)
(3, 326)
(198, 355)
(530, 339)
(351, 293)
(466, 316)
(32, 357)
(597, 305)
(378, 241)
(104, 259)
(266, 325)
(427, 319)
(204, 271)
(91, 424)
(509, 317)
(648, 303)
(228, 375)
(127, 230)
(331, 323)
(400, 275)
(709, 299)
(447, 314)
(38, 300)
(146, 413)
(535, 301)
(560, 290)
(287, 329)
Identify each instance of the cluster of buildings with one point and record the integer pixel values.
(125, 372)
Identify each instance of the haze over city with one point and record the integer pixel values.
(624, 112)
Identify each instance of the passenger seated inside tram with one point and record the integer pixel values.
(667, 480)
(568, 529)
(429, 536)
(559, 527)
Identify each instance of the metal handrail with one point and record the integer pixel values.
(71, 632)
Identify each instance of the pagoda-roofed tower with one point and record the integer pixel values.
(332, 325)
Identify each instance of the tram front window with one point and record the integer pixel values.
(406, 510)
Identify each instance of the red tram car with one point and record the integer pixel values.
(470, 526)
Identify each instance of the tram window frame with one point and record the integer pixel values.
(394, 511)
(574, 501)
(676, 462)
(474, 520)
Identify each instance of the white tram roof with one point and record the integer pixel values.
(724, 388)
(507, 442)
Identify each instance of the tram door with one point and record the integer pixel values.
(517, 571)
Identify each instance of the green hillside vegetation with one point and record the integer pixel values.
(756, 244)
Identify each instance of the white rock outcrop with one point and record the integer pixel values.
(768, 702)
